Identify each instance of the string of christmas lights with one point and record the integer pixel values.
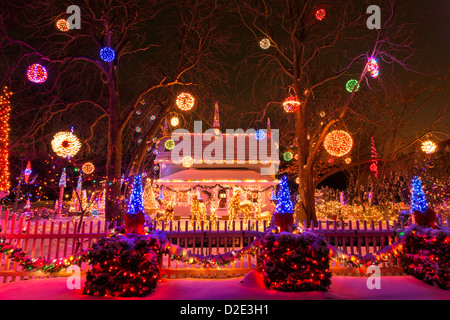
(5, 109)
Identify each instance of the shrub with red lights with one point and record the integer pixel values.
(426, 256)
(294, 262)
(123, 266)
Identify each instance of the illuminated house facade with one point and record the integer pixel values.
(213, 167)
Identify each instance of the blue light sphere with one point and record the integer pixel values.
(107, 54)
(260, 134)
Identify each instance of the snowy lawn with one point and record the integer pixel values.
(250, 287)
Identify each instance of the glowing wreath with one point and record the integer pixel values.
(37, 73)
(429, 147)
(65, 144)
(291, 104)
(88, 168)
(185, 101)
(338, 143)
(351, 84)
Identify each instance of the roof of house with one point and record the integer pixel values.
(239, 148)
(213, 176)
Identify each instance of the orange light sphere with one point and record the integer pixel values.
(429, 147)
(62, 25)
(88, 168)
(338, 143)
(291, 104)
(187, 162)
(185, 101)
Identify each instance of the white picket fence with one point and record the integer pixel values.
(56, 239)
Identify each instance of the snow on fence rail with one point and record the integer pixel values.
(56, 239)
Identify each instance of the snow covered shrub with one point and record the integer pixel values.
(427, 256)
(291, 262)
(123, 266)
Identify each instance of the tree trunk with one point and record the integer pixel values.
(306, 186)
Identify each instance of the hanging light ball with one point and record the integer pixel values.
(348, 160)
(291, 104)
(288, 156)
(187, 162)
(138, 129)
(320, 14)
(65, 144)
(429, 147)
(88, 168)
(62, 25)
(351, 84)
(373, 68)
(37, 73)
(322, 114)
(264, 44)
(260, 134)
(174, 121)
(338, 143)
(169, 144)
(107, 54)
(185, 101)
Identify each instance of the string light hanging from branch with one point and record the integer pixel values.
(338, 143)
(373, 68)
(320, 14)
(185, 101)
(66, 144)
(351, 85)
(37, 73)
(174, 121)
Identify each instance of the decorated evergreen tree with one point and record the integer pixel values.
(135, 203)
(418, 201)
(284, 204)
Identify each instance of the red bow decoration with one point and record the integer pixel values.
(134, 223)
(284, 221)
(425, 219)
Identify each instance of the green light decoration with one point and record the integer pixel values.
(351, 84)
(288, 156)
(169, 144)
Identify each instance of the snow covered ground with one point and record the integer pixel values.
(250, 287)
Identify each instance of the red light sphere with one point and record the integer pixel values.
(320, 14)
(37, 73)
(291, 104)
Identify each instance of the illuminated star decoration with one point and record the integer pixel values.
(429, 147)
(351, 84)
(373, 68)
(338, 143)
(37, 73)
(291, 104)
(185, 101)
(88, 168)
(65, 144)
(264, 44)
(62, 25)
(5, 108)
(107, 54)
(320, 14)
